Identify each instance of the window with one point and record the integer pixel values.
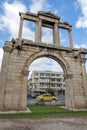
(58, 80)
(52, 85)
(35, 79)
(41, 74)
(42, 79)
(52, 74)
(52, 79)
(58, 85)
(58, 75)
(47, 74)
(35, 74)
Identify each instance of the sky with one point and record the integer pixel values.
(71, 11)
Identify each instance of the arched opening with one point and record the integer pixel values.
(46, 73)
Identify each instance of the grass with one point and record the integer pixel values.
(42, 111)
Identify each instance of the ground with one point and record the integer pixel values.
(60, 123)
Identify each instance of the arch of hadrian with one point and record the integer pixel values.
(20, 53)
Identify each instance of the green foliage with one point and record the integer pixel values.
(42, 111)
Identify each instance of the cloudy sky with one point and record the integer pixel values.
(71, 11)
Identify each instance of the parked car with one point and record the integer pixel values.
(33, 94)
(46, 97)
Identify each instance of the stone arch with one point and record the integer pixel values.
(65, 66)
(58, 58)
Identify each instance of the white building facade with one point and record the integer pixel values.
(43, 80)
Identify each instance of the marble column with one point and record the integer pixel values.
(56, 39)
(20, 28)
(38, 33)
(70, 38)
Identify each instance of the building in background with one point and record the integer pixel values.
(43, 80)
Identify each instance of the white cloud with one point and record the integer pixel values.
(40, 64)
(9, 20)
(1, 56)
(38, 6)
(45, 64)
(80, 46)
(86, 64)
(82, 20)
(47, 35)
(56, 67)
(28, 33)
(64, 39)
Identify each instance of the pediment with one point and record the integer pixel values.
(48, 14)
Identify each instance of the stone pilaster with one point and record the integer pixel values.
(38, 32)
(70, 37)
(20, 28)
(3, 78)
(69, 97)
(56, 39)
(84, 80)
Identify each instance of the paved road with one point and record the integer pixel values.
(44, 124)
(34, 100)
